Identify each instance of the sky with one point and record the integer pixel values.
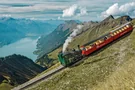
(85, 10)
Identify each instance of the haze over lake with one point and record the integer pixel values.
(25, 47)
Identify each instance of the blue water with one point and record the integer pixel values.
(25, 47)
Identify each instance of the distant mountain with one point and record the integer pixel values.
(50, 42)
(12, 29)
(17, 69)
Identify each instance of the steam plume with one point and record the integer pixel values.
(75, 32)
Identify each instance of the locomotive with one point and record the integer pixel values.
(70, 57)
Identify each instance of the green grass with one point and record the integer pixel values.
(133, 21)
(98, 69)
(49, 69)
(122, 79)
(5, 86)
(54, 54)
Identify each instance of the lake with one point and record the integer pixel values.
(25, 47)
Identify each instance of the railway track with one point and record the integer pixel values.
(43, 77)
(38, 79)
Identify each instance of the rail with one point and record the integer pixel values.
(39, 78)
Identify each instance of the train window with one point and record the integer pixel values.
(111, 34)
(127, 26)
(120, 30)
(100, 41)
(117, 32)
(97, 42)
(88, 47)
(114, 33)
(93, 44)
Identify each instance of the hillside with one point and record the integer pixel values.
(15, 29)
(111, 68)
(91, 30)
(56, 39)
(17, 69)
(50, 42)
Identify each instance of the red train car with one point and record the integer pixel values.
(106, 39)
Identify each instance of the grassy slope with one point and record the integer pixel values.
(123, 78)
(98, 70)
(5, 86)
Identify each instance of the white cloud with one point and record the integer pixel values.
(36, 7)
(5, 15)
(52, 9)
(83, 11)
(72, 11)
(116, 10)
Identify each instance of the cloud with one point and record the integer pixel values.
(52, 9)
(5, 15)
(83, 11)
(31, 8)
(70, 11)
(74, 10)
(116, 10)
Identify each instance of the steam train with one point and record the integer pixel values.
(70, 57)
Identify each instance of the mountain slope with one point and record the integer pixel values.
(14, 29)
(96, 68)
(56, 39)
(50, 42)
(17, 69)
(92, 31)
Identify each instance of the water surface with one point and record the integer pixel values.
(25, 47)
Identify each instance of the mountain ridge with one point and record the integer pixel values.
(21, 28)
(17, 69)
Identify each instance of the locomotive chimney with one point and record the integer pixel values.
(78, 47)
